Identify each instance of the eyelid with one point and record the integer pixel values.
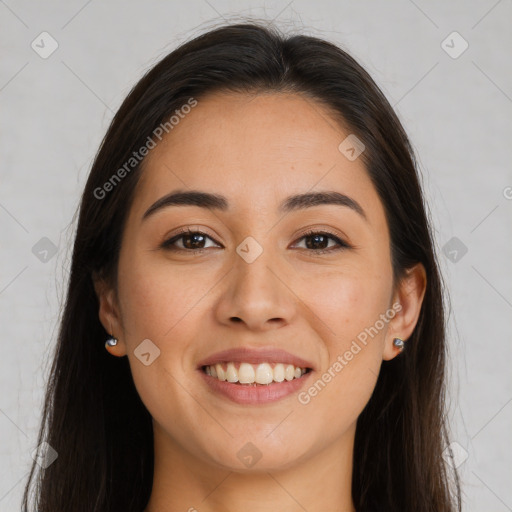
(312, 230)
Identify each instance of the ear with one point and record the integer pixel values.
(109, 314)
(407, 301)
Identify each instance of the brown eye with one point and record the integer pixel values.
(187, 241)
(318, 242)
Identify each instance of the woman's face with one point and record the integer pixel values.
(250, 290)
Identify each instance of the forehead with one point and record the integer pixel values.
(254, 149)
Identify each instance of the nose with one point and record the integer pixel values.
(256, 296)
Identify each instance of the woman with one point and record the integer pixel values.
(252, 241)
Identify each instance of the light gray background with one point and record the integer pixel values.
(457, 112)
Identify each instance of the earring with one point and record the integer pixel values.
(111, 342)
(399, 343)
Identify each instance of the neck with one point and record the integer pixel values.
(182, 482)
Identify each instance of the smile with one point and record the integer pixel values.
(254, 376)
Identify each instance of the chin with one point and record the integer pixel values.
(254, 454)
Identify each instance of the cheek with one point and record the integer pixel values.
(165, 304)
(160, 303)
(353, 312)
(155, 297)
(347, 302)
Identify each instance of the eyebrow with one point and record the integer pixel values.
(219, 202)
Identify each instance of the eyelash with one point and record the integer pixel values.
(168, 244)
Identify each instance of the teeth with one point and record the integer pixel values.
(221, 374)
(262, 373)
(279, 372)
(231, 373)
(246, 374)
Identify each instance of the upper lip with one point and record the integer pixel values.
(255, 356)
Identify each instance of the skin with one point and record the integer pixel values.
(255, 150)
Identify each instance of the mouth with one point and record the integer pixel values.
(254, 376)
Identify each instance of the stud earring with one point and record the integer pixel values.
(399, 343)
(111, 342)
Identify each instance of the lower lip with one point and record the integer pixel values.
(251, 394)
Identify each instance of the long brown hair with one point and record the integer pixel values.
(104, 437)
